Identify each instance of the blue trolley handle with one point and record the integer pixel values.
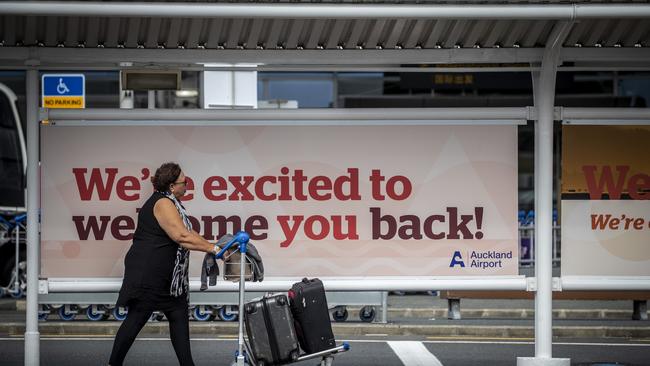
(240, 238)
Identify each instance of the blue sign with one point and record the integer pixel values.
(64, 90)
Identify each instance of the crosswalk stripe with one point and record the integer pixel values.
(414, 353)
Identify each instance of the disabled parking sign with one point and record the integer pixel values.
(64, 91)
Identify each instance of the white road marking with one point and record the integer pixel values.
(413, 353)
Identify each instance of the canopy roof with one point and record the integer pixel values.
(327, 33)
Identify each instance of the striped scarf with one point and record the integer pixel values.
(180, 277)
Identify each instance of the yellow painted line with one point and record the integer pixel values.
(480, 338)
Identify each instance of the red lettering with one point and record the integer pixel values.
(317, 184)
(638, 224)
(298, 180)
(606, 181)
(212, 184)
(377, 222)
(376, 178)
(284, 185)
(338, 228)
(411, 230)
(599, 221)
(255, 223)
(128, 184)
(288, 229)
(96, 182)
(241, 186)
(639, 187)
(353, 181)
(222, 223)
(428, 227)
(406, 188)
(259, 188)
(122, 223)
(92, 226)
(324, 227)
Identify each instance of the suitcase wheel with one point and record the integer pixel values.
(294, 355)
(282, 300)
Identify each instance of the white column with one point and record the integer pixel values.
(32, 336)
(544, 92)
(126, 96)
(151, 99)
(544, 210)
(229, 89)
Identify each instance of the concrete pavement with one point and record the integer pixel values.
(410, 315)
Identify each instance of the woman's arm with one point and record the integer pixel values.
(170, 221)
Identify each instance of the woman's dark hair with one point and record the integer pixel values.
(165, 176)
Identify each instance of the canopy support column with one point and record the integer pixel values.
(544, 91)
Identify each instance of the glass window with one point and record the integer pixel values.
(310, 90)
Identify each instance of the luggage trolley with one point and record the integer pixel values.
(244, 356)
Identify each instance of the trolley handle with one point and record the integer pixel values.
(241, 238)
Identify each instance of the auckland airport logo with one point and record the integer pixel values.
(479, 259)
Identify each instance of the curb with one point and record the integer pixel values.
(109, 328)
(437, 313)
(9, 305)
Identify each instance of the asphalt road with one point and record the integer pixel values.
(369, 351)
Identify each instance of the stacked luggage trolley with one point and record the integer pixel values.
(279, 326)
(13, 232)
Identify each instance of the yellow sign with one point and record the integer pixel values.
(63, 91)
(63, 102)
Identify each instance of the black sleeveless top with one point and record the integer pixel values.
(149, 264)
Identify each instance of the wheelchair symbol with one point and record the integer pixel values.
(62, 88)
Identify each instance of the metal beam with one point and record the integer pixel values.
(620, 114)
(350, 114)
(102, 57)
(331, 284)
(326, 11)
(617, 283)
(573, 283)
(319, 60)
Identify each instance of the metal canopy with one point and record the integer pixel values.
(88, 35)
(328, 33)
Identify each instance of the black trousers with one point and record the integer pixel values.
(179, 331)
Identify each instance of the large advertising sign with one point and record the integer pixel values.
(605, 200)
(329, 201)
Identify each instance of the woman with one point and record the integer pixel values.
(156, 266)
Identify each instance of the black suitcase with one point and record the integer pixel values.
(271, 335)
(311, 316)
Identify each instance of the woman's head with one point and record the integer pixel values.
(169, 178)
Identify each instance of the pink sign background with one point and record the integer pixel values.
(463, 178)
